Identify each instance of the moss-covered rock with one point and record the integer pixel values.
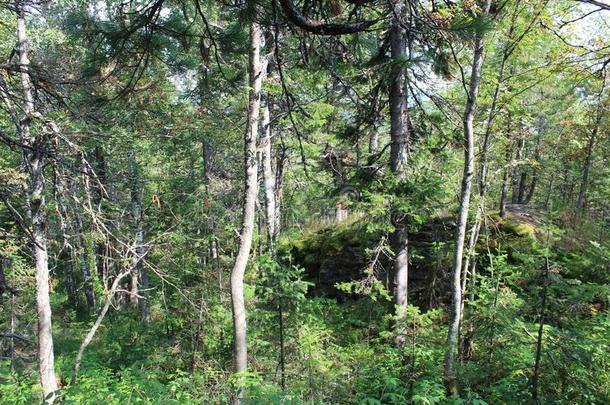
(519, 229)
(343, 252)
(339, 253)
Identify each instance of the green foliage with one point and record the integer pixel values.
(169, 85)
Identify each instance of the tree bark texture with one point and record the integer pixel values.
(268, 175)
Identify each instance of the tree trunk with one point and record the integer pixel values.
(101, 248)
(373, 140)
(504, 193)
(35, 201)
(282, 345)
(398, 97)
(279, 182)
(467, 341)
(66, 258)
(84, 261)
(139, 274)
(11, 346)
(523, 154)
(580, 202)
(470, 260)
(256, 73)
(506, 175)
(10, 350)
(268, 176)
(469, 256)
(468, 119)
(535, 172)
(65, 254)
(206, 153)
(101, 260)
(517, 168)
(261, 220)
(549, 192)
(522, 183)
(3, 286)
(399, 134)
(543, 294)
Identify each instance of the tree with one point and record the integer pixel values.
(268, 175)
(34, 152)
(399, 138)
(141, 123)
(580, 201)
(256, 73)
(462, 221)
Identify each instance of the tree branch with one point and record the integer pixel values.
(599, 4)
(321, 28)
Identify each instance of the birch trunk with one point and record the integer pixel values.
(268, 176)
(256, 72)
(35, 202)
(469, 112)
(373, 140)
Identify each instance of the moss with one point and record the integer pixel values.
(313, 246)
(496, 217)
(521, 229)
(285, 245)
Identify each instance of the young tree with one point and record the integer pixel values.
(256, 72)
(468, 121)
